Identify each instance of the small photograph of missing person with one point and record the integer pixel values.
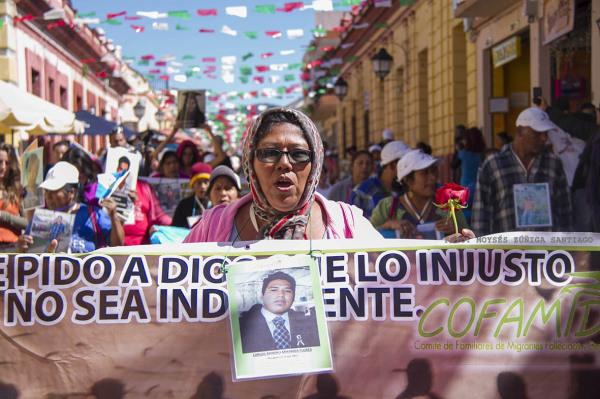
(32, 178)
(276, 310)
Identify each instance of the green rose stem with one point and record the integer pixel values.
(452, 204)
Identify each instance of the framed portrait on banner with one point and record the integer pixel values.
(277, 318)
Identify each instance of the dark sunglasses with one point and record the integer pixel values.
(272, 155)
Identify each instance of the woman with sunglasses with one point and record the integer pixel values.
(282, 161)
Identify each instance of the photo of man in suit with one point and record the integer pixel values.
(274, 325)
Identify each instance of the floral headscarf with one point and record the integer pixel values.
(291, 224)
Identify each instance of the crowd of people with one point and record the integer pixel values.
(290, 185)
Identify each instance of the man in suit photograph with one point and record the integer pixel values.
(273, 324)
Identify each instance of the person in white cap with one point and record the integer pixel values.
(418, 172)
(524, 161)
(387, 136)
(369, 193)
(92, 229)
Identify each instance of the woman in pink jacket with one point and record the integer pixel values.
(282, 161)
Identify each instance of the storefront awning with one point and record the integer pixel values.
(23, 111)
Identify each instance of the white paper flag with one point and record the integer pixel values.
(237, 11)
(160, 26)
(180, 78)
(153, 14)
(55, 13)
(322, 5)
(228, 31)
(295, 33)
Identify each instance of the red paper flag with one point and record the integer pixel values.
(164, 77)
(287, 7)
(206, 30)
(138, 28)
(27, 17)
(147, 57)
(339, 28)
(275, 34)
(204, 13)
(132, 18)
(212, 76)
(209, 59)
(88, 60)
(259, 79)
(327, 48)
(160, 63)
(156, 71)
(266, 55)
(262, 68)
(60, 22)
(101, 74)
(210, 68)
(254, 93)
(110, 16)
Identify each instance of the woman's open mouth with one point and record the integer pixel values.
(284, 184)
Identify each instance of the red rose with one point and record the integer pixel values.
(451, 191)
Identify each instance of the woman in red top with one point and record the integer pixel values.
(147, 213)
(12, 220)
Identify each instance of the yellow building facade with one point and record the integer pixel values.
(431, 86)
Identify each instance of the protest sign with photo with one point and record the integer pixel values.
(47, 225)
(169, 191)
(33, 175)
(277, 320)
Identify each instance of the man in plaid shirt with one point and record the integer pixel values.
(525, 160)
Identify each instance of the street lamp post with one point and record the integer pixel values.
(340, 88)
(139, 110)
(382, 63)
(160, 117)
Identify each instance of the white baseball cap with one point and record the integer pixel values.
(59, 175)
(374, 147)
(415, 160)
(223, 170)
(388, 134)
(536, 119)
(392, 151)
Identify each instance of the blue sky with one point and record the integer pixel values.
(180, 43)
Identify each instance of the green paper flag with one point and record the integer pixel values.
(245, 57)
(128, 58)
(334, 72)
(353, 58)
(244, 79)
(322, 91)
(319, 31)
(189, 57)
(281, 90)
(381, 25)
(246, 71)
(265, 9)
(179, 27)
(150, 76)
(179, 14)
(1, 23)
(352, 2)
(294, 66)
(143, 62)
(89, 14)
(112, 21)
(311, 48)
(189, 73)
(84, 70)
(251, 34)
(323, 81)
(288, 78)
(406, 2)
